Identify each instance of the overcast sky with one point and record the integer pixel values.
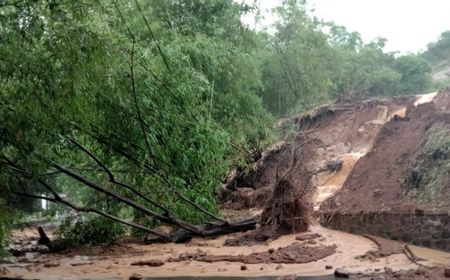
(408, 25)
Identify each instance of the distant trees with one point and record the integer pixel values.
(307, 62)
(438, 57)
(415, 74)
(439, 51)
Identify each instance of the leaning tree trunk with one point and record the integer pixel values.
(185, 232)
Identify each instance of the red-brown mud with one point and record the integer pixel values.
(379, 179)
(294, 253)
(321, 137)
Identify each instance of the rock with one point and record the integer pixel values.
(308, 237)
(280, 266)
(81, 263)
(335, 165)
(243, 267)
(377, 193)
(153, 262)
(341, 273)
(388, 270)
(51, 265)
(328, 266)
(447, 272)
(135, 276)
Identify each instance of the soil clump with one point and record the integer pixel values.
(294, 253)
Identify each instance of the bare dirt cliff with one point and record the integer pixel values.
(360, 159)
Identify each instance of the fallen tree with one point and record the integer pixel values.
(184, 233)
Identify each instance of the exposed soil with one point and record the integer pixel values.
(294, 253)
(336, 132)
(378, 182)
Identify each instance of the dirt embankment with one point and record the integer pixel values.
(399, 173)
(327, 143)
(373, 155)
(389, 156)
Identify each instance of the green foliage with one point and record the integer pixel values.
(440, 50)
(415, 74)
(308, 62)
(93, 231)
(433, 164)
(295, 67)
(438, 56)
(174, 94)
(6, 221)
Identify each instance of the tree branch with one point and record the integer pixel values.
(153, 36)
(112, 178)
(138, 111)
(57, 199)
(164, 218)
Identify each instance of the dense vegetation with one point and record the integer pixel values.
(438, 56)
(103, 103)
(439, 51)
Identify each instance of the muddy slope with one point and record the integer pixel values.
(327, 143)
(373, 155)
(401, 172)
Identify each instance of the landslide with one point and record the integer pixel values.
(381, 154)
(407, 168)
(326, 143)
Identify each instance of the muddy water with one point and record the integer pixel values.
(106, 266)
(331, 182)
(434, 257)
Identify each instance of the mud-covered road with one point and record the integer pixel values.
(114, 262)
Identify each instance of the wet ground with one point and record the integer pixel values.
(114, 262)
